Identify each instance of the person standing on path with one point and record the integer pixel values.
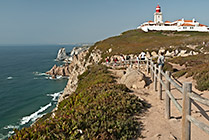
(142, 56)
(161, 60)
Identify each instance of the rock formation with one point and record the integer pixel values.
(61, 54)
(133, 79)
(77, 66)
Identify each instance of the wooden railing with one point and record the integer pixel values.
(185, 89)
(189, 97)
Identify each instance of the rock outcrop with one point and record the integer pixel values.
(133, 79)
(62, 55)
(80, 62)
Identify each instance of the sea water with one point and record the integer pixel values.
(26, 92)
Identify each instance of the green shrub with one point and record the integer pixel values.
(180, 73)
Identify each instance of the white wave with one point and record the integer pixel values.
(35, 115)
(58, 77)
(38, 116)
(11, 132)
(55, 95)
(49, 78)
(11, 127)
(40, 74)
(9, 78)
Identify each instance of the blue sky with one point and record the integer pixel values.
(80, 21)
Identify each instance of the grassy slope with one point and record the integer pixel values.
(197, 67)
(100, 108)
(134, 41)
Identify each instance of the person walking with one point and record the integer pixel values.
(161, 60)
(142, 56)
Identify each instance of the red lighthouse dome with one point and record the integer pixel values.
(158, 9)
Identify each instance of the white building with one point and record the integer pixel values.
(178, 25)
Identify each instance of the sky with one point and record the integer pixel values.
(86, 21)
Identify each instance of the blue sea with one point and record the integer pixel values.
(26, 92)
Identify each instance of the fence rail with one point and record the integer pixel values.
(185, 89)
(188, 95)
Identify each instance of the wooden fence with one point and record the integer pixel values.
(189, 97)
(185, 89)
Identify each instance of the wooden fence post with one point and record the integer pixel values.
(167, 98)
(138, 61)
(160, 79)
(186, 110)
(147, 66)
(152, 71)
(155, 77)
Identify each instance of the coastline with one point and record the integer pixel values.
(82, 57)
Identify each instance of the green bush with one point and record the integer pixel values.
(180, 73)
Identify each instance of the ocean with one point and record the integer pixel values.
(26, 92)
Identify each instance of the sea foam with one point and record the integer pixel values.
(55, 95)
(34, 115)
(40, 74)
(11, 127)
(9, 78)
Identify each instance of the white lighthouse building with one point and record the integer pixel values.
(178, 25)
(158, 16)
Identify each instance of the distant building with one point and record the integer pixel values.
(178, 25)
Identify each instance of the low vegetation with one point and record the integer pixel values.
(99, 109)
(197, 66)
(135, 41)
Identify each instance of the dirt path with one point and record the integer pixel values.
(156, 127)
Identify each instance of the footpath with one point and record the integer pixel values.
(155, 125)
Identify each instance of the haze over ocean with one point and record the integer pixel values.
(25, 91)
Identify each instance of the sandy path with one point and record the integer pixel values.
(156, 127)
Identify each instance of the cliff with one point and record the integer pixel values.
(80, 62)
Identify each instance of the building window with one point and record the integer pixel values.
(191, 27)
(184, 27)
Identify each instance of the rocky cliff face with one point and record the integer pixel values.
(78, 66)
(62, 55)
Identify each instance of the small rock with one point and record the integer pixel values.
(172, 137)
(157, 135)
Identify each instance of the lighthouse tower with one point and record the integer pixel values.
(158, 16)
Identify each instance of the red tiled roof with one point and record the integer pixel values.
(202, 25)
(150, 21)
(185, 20)
(167, 22)
(188, 20)
(186, 24)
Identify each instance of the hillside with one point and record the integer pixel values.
(135, 41)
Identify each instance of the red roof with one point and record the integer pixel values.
(188, 21)
(150, 21)
(167, 22)
(202, 25)
(186, 24)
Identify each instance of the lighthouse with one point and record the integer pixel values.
(158, 16)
